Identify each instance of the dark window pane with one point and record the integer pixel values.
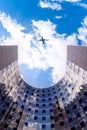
(43, 126)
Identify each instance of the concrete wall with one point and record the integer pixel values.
(8, 54)
(78, 55)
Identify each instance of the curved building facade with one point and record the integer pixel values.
(59, 107)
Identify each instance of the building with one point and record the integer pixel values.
(59, 107)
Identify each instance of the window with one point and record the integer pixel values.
(52, 125)
(78, 114)
(29, 109)
(52, 117)
(37, 99)
(43, 118)
(49, 94)
(6, 125)
(51, 110)
(37, 105)
(24, 100)
(59, 89)
(73, 128)
(63, 99)
(61, 123)
(61, 94)
(82, 124)
(80, 100)
(36, 111)
(26, 123)
(32, 93)
(70, 119)
(74, 107)
(85, 93)
(57, 102)
(48, 90)
(22, 106)
(55, 97)
(43, 99)
(60, 115)
(43, 105)
(43, 126)
(85, 108)
(37, 95)
(35, 117)
(7, 104)
(43, 91)
(67, 111)
(43, 111)
(25, 96)
(17, 121)
(50, 104)
(49, 99)
(27, 91)
(10, 116)
(14, 128)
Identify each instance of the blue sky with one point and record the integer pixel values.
(62, 22)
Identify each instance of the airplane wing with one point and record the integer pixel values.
(39, 40)
(45, 39)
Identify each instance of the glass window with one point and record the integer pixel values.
(26, 123)
(37, 105)
(36, 111)
(29, 109)
(43, 126)
(43, 91)
(43, 105)
(73, 128)
(43, 118)
(49, 94)
(6, 125)
(37, 99)
(52, 125)
(50, 104)
(43, 99)
(43, 95)
(22, 106)
(14, 128)
(63, 99)
(61, 123)
(49, 99)
(82, 124)
(48, 90)
(43, 111)
(35, 117)
(51, 110)
(61, 94)
(37, 95)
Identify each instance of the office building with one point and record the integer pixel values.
(59, 107)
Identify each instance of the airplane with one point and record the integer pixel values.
(43, 40)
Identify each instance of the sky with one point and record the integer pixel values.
(61, 22)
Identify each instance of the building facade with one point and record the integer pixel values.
(59, 107)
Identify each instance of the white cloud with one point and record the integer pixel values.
(72, 39)
(53, 6)
(71, 1)
(58, 17)
(82, 5)
(32, 52)
(82, 31)
(75, 2)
